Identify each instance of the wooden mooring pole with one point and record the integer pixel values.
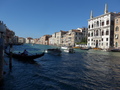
(2, 33)
(10, 59)
(1, 59)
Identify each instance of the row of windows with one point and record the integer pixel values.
(79, 33)
(99, 44)
(99, 40)
(98, 23)
(96, 34)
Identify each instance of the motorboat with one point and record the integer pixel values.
(64, 47)
(69, 50)
(54, 51)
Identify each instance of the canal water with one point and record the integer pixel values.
(82, 70)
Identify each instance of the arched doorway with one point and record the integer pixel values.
(96, 44)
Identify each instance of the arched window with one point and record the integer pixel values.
(97, 33)
(97, 23)
(117, 28)
(102, 23)
(89, 26)
(88, 34)
(116, 36)
(107, 22)
(116, 20)
(107, 32)
(92, 25)
(116, 44)
(102, 33)
(92, 34)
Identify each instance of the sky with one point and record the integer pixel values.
(35, 18)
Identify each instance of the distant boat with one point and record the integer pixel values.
(64, 47)
(77, 47)
(84, 48)
(53, 51)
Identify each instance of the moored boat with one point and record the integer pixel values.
(84, 48)
(77, 47)
(97, 48)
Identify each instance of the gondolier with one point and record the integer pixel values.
(25, 52)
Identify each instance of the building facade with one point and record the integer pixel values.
(9, 37)
(59, 36)
(101, 30)
(52, 39)
(29, 40)
(21, 40)
(72, 36)
(44, 40)
(117, 32)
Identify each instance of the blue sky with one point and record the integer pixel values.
(35, 18)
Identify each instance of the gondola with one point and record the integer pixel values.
(25, 57)
(115, 50)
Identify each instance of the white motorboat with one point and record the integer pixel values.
(64, 47)
(69, 50)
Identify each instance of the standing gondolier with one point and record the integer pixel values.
(2, 34)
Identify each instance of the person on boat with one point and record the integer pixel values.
(25, 52)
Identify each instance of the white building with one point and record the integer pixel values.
(29, 40)
(52, 39)
(101, 30)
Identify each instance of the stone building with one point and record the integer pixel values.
(44, 39)
(101, 30)
(117, 31)
(21, 40)
(52, 39)
(9, 36)
(71, 37)
(59, 36)
(29, 40)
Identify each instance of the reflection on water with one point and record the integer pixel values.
(81, 70)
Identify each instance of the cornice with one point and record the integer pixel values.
(101, 16)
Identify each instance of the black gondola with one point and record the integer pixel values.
(115, 50)
(25, 57)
